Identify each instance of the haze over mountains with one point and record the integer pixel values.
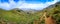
(29, 9)
(38, 4)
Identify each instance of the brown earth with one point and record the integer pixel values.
(50, 20)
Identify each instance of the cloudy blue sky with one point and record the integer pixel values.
(32, 4)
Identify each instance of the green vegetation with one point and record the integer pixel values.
(17, 16)
(21, 17)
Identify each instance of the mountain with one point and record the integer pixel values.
(31, 16)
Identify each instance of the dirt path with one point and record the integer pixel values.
(48, 20)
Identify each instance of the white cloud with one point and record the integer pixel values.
(4, 5)
(23, 4)
(37, 6)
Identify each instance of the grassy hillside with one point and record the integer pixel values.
(16, 16)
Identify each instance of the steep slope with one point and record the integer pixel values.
(53, 11)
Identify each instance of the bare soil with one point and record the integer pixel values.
(49, 20)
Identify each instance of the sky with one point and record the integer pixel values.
(26, 4)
